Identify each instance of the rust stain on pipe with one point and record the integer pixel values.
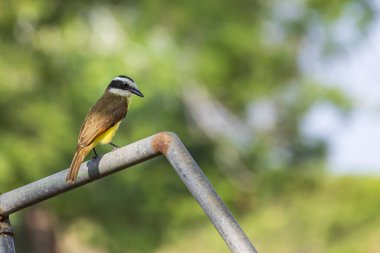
(161, 142)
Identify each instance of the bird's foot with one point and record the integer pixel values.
(114, 146)
(96, 154)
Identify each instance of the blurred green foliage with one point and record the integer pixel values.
(58, 56)
(334, 215)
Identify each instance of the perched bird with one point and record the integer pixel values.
(103, 120)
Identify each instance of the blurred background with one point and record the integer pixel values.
(278, 102)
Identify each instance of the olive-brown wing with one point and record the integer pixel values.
(103, 115)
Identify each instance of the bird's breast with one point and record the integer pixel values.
(107, 136)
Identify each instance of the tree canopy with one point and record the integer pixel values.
(224, 75)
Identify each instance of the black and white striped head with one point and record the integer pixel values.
(123, 86)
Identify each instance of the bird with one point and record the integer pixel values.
(103, 120)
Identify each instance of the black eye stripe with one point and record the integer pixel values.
(122, 82)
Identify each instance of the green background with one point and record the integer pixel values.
(202, 65)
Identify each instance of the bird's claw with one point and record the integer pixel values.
(114, 146)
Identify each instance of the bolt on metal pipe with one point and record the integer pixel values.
(164, 143)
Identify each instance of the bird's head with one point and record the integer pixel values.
(123, 86)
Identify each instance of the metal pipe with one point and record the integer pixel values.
(6, 236)
(202, 190)
(91, 170)
(164, 143)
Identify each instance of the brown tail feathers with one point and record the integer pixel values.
(75, 164)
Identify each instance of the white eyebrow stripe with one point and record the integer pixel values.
(123, 79)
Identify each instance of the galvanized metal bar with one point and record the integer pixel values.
(6, 236)
(91, 170)
(202, 190)
(163, 143)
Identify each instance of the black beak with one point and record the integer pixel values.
(136, 91)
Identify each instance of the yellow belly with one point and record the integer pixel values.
(107, 136)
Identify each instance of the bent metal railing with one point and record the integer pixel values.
(164, 143)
